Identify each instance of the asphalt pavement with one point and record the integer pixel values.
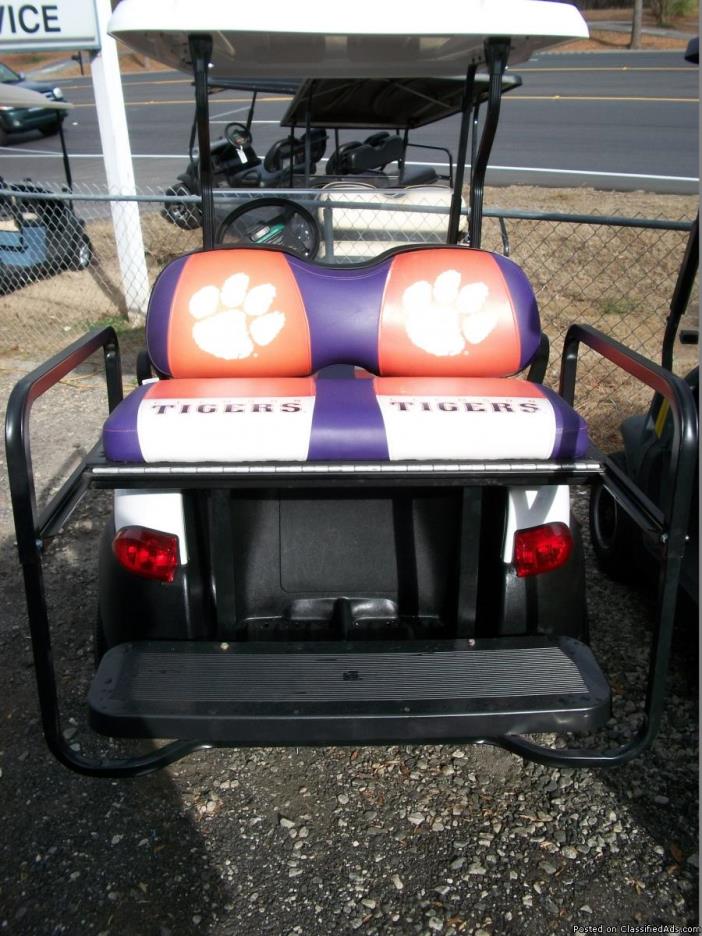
(613, 120)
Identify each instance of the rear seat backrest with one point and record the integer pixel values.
(241, 312)
(228, 313)
(457, 312)
(374, 155)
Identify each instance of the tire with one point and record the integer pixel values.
(271, 221)
(4, 137)
(53, 128)
(100, 647)
(616, 540)
(186, 217)
(82, 254)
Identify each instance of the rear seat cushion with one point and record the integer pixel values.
(449, 311)
(417, 175)
(234, 420)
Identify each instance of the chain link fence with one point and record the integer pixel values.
(615, 274)
(63, 269)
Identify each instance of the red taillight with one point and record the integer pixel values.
(542, 548)
(148, 553)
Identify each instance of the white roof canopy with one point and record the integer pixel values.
(362, 39)
(12, 95)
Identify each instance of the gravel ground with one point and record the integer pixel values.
(380, 840)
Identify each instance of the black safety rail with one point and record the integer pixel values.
(667, 524)
(33, 527)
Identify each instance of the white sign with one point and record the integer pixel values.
(54, 25)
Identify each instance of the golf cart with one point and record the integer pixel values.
(390, 107)
(234, 161)
(39, 235)
(341, 492)
(647, 447)
(401, 202)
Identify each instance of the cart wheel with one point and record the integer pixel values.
(82, 255)
(186, 216)
(277, 221)
(616, 540)
(51, 130)
(99, 640)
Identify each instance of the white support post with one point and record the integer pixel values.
(114, 137)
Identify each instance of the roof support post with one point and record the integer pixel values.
(200, 54)
(466, 109)
(64, 156)
(681, 293)
(308, 137)
(496, 55)
(249, 117)
(474, 139)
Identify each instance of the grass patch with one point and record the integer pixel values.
(118, 322)
(618, 307)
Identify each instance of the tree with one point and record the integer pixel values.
(663, 10)
(636, 25)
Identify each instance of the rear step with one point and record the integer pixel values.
(336, 693)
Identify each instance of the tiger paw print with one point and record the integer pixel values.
(443, 317)
(232, 322)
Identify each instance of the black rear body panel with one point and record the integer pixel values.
(320, 565)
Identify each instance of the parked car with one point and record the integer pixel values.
(40, 232)
(14, 120)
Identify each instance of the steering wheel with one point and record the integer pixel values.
(238, 135)
(271, 221)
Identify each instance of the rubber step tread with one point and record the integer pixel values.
(460, 674)
(243, 694)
